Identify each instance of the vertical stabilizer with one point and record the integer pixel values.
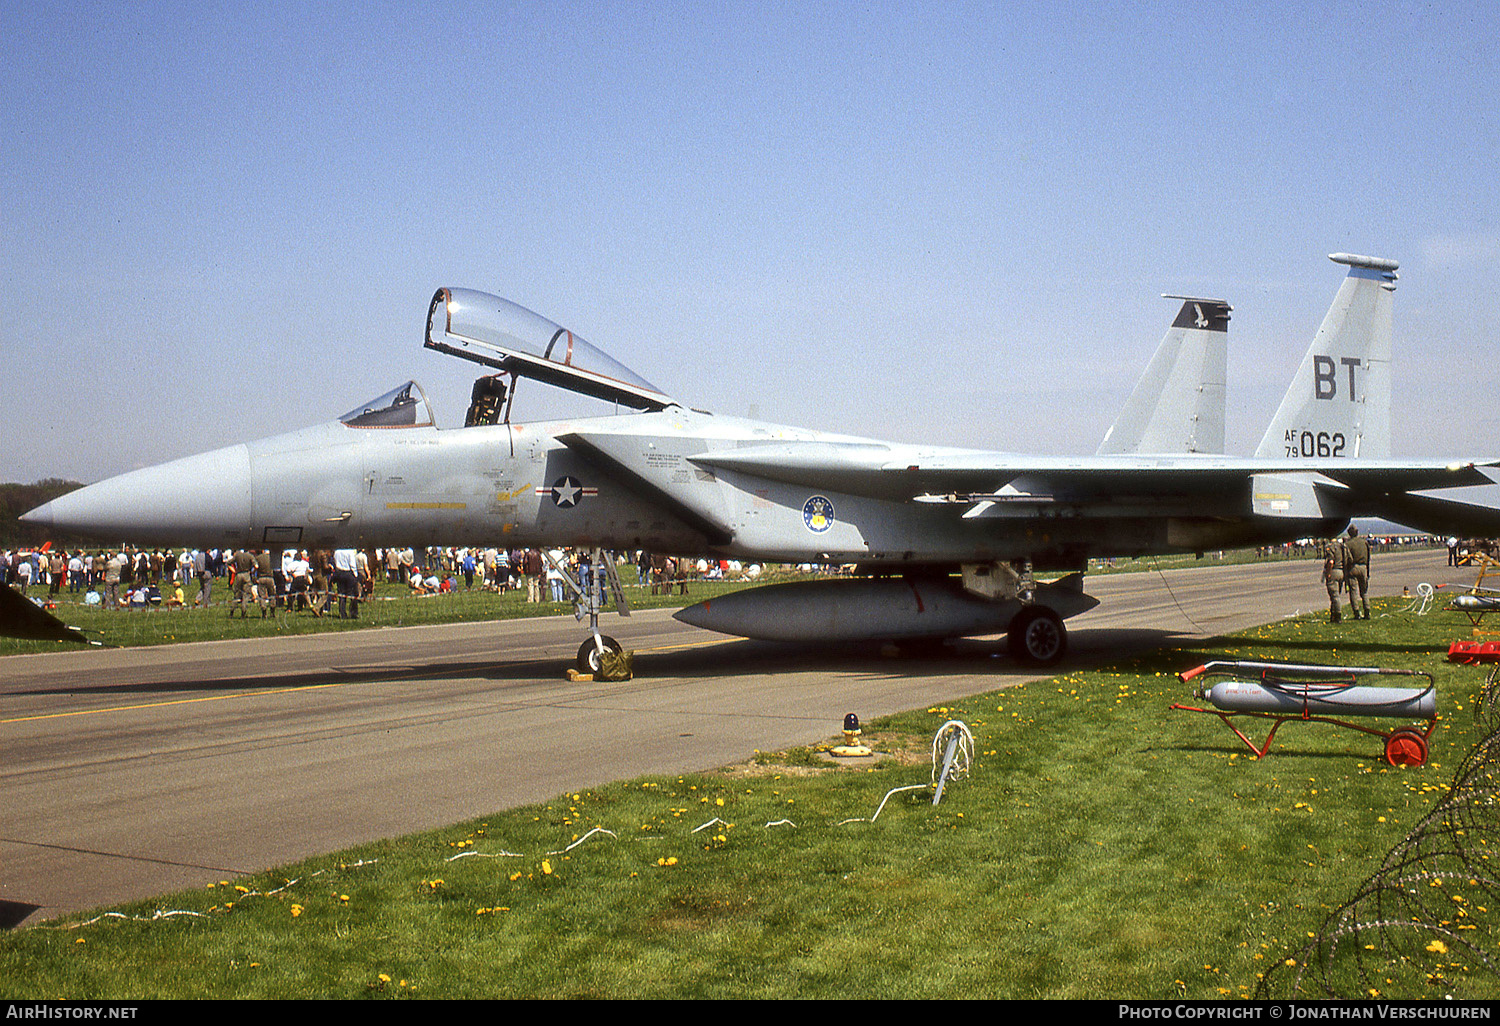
(1178, 403)
(1340, 400)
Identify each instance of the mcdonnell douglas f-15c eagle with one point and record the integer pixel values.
(947, 539)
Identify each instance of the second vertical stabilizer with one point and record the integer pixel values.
(1177, 405)
(1339, 404)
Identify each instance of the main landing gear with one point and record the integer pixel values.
(1037, 637)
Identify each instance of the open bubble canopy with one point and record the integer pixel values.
(496, 332)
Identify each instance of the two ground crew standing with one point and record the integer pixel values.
(1346, 564)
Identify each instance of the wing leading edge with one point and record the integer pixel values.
(889, 473)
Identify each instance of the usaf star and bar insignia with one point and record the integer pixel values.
(567, 491)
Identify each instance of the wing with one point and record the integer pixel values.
(892, 472)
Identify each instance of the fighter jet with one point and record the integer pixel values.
(949, 542)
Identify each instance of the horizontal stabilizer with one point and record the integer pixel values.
(1438, 516)
(1294, 497)
(22, 618)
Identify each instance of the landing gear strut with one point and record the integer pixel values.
(590, 600)
(1037, 637)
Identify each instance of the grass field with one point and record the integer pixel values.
(1103, 846)
(392, 606)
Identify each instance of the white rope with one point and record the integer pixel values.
(158, 914)
(1419, 602)
(170, 913)
(962, 761)
(963, 758)
(585, 837)
(894, 790)
(485, 855)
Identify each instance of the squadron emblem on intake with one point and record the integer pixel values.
(817, 514)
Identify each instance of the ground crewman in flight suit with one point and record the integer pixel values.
(244, 583)
(1334, 558)
(1357, 572)
(265, 583)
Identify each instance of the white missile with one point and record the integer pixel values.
(1476, 602)
(870, 609)
(1322, 699)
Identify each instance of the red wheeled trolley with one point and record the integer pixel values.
(1480, 653)
(1321, 694)
(1476, 653)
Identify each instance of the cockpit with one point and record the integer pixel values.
(499, 334)
(404, 406)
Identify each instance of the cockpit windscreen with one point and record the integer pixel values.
(404, 406)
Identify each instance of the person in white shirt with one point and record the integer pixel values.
(346, 580)
(555, 575)
(299, 577)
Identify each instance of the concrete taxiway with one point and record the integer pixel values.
(129, 773)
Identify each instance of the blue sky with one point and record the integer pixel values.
(943, 222)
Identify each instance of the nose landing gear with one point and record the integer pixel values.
(591, 653)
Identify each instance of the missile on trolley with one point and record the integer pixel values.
(1322, 699)
(878, 609)
(1284, 695)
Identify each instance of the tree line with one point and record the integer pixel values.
(16, 499)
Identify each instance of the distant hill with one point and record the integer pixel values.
(16, 499)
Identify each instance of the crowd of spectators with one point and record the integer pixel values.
(311, 581)
(122, 577)
(1308, 547)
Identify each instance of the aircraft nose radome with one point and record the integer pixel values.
(41, 515)
(693, 616)
(197, 500)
